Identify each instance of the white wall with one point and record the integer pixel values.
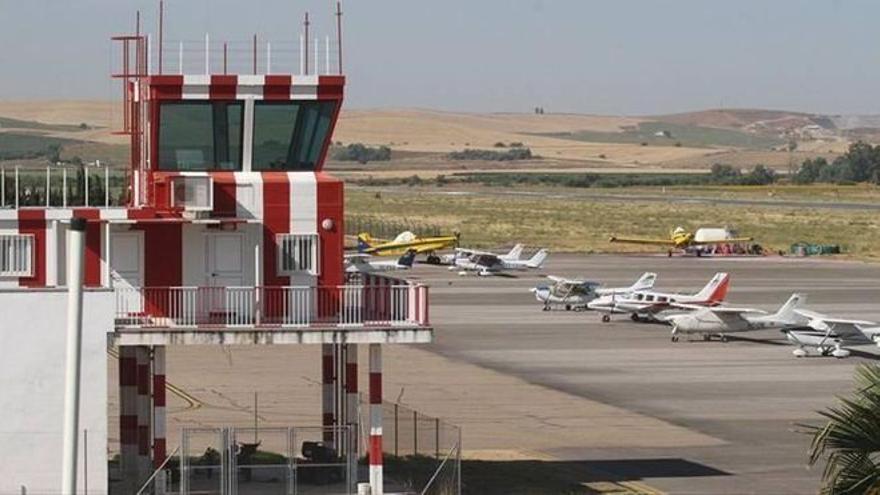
(32, 365)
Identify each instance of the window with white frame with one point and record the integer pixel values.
(16, 255)
(297, 253)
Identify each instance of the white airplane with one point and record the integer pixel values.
(364, 263)
(830, 336)
(722, 320)
(460, 253)
(575, 293)
(649, 305)
(485, 264)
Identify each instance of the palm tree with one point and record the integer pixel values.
(851, 439)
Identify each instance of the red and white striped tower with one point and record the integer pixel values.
(128, 411)
(143, 411)
(376, 483)
(327, 417)
(159, 428)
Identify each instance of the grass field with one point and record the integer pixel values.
(584, 225)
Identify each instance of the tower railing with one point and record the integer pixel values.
(64, 187)
(345, 306)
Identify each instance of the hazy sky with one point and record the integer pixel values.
(594, 56)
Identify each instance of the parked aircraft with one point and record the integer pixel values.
(449, 259)
(406, 242)
(364, 263)
(722, 320)
(648, 305)
(831, 336)
(682, 239)
(575, 294)
(485, 264)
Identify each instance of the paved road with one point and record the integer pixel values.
(629, 197)
(748, 393)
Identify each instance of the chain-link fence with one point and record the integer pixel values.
(420, 452)
(389, 229)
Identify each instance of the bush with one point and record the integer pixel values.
(490, 155)
(861, 163)
(499, 144)
(360, 153)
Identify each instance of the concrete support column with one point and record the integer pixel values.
(327, 418)
(128, 414)
(351, 395)
(143, 412)
(376, 481)
(159, 415)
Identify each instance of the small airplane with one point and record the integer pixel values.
(512, 255)
(831, 336)
(576, 293)
(363, 263)
(649, 305)
(406, 242)
(683, 239)
(486, 264)
(722, 320)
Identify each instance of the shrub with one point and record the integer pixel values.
(360, 153)
(490, 155)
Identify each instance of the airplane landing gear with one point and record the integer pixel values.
(724, 338)
(634, 317)
(433, 259)
(799, 352)
(674, 338)
(606, 318)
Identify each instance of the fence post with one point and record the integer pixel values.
(437, 438)
(415, 433)
(64, 187)
(396, 430)
(3, 191)
(16, 187)
(48, 184)
(107, 180)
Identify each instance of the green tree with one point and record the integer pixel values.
(850, 440)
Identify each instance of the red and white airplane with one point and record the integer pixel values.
(648, 304)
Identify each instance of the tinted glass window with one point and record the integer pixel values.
(200, 135)
(290, 135)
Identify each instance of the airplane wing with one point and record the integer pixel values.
(843, 328)
(635, 240)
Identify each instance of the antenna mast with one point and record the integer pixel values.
(339, 35)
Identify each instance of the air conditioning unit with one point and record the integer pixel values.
(192, 193)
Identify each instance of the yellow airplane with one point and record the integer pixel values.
(407, 242)
(683, 239)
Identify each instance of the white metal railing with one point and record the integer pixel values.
(63, 187)
(16, 255)
(241, 307)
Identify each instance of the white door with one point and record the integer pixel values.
(225, 300)
(127, 270)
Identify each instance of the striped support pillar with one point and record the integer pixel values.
(159, 428)
(376, 483)
(327, 417)
(128, 415)
(351, 394)
(143, 412)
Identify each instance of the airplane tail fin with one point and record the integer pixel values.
(407, 259)
(716, 290)
(537, 261)
(515, 252)
(365, 242)
(645, 282)
(787, 311)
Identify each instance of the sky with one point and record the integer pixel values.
(620, 57)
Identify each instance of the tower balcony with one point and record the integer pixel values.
(392, 313)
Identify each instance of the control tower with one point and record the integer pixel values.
(224, 231)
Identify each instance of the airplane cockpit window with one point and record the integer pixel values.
(290, 135)
(639, 297)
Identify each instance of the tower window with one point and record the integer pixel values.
(297, 253)
(290, 135)
(16, 255)
(200, 135)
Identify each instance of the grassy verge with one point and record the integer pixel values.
(584, 225)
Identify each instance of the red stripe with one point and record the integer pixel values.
(375, 388)
(166, 87)
(34, 222)
(375, 450)
(143, 379)
(331, 87)
(223, 87)
(276, 88)
(276, 220)
(128, 429)
(159, 451)
(351, 377)
(224, 194)
(92, 272)
(327, 369)
(159, 390)
(330, 197)
(127, 372)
